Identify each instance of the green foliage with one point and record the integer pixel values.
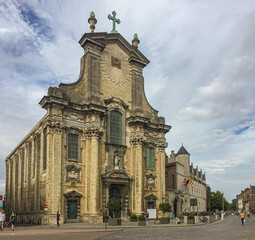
(105, 216)
(232, 206)
(216, 201)
(141, 218)
(114, 206)
(165, 218)
(191, 216)
(133, 216)
(165, 207)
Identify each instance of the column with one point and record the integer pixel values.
(87, 170)
(161, 172)
(139, 178)
(94, 180)
(54, 169)
(17, 183)
(7, 187)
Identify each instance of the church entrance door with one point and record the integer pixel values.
(114, 193)
(72, 209)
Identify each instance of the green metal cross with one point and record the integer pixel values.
(114, 20)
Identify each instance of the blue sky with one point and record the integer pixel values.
(200, 77)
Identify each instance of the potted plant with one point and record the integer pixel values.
(114, 205)
(133, 218)
(141, 221)
(164, 207)
(190, 219)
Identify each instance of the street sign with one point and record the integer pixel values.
(1, 197)
(45, 208)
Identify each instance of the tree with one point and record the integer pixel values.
(232, 206)
(216, 201)
(114, 206)
(165, 207)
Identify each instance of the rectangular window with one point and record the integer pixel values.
(44, 149)
(73, 146)
(150, 158)
(115, 127)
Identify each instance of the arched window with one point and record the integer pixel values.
(115, 127)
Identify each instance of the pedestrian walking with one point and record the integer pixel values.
(242, 215)
(58, 219)
(13, 220)
(248, 214)
(2, 219)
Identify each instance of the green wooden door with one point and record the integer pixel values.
(72, 209)
(115, 194)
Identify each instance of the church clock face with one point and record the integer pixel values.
(114, 65)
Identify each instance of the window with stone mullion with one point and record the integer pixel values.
(72, 146)
(150, 158)
(115, 127)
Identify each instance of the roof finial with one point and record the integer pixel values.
(135, 41)
(92, 21)
(114, 21)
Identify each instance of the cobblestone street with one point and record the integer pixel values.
(229, 229)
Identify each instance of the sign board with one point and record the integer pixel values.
(1, 197)
(45, 208)
(152, 213)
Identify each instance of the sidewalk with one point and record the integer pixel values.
(27, 229)
(124, 224)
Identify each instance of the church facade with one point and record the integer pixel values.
(100, 139)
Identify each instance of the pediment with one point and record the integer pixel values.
(103, 39)
(73, 193)
(116, 101)
(117, 174)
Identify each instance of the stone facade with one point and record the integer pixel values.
(70, 160)
(180, 196)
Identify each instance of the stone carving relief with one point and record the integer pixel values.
(55, 127)
(73, 115)
(150, 181)
(115, 157)
(73, 173)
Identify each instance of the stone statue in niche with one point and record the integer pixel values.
(116, 162)
(114, 157)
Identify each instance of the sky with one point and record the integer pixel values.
(201, 75)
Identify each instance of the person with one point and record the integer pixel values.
(2, 219)
(248, 214)
(58, 219)
(242, 217)
(147, 217)
(13, 220)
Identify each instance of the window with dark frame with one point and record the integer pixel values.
(73, 153)
(150, 158)
(116, 127)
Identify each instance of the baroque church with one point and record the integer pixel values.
(99, 139)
